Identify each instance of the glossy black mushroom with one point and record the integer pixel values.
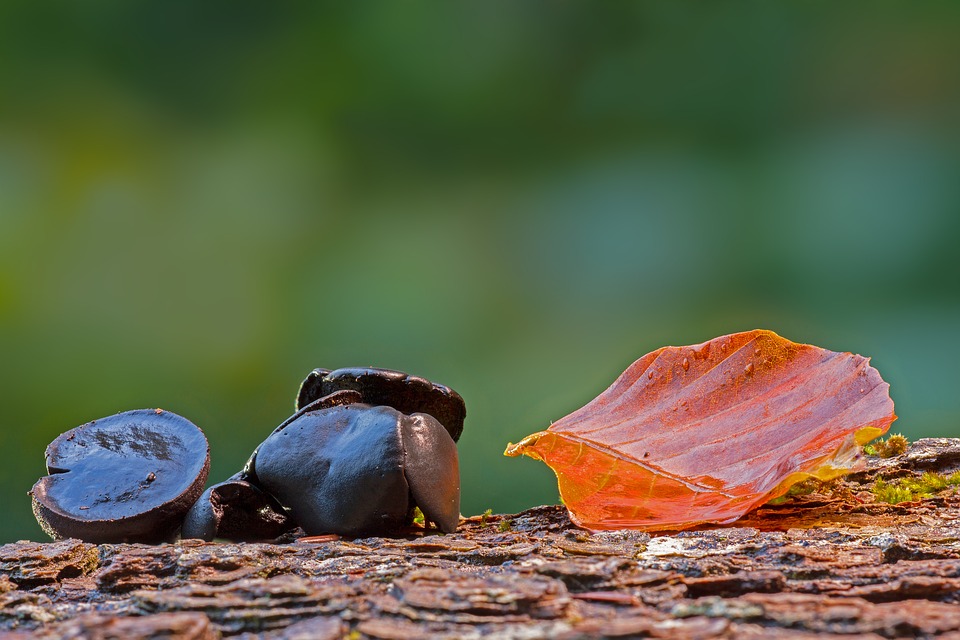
(130, 477)
(235, 510)
(333, 400)
(358, 469)
(405, 393)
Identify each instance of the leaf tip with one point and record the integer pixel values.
(519, 449)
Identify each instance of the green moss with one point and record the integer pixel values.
(912, 489)
(806, 487)
(505, 525)
(485, 516)
(418, 517)
(895, 445)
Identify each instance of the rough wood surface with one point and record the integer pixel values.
(834, 563)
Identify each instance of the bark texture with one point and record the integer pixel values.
(835, 563)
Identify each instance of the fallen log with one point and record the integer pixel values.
(835, 562)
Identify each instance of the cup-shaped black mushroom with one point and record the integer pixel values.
(236, 510)
(359, 469)
(404, 392)
(130, 477)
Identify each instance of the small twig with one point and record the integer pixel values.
(329, 537)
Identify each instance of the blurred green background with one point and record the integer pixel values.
(200, 202)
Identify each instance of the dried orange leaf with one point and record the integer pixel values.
(705, 433)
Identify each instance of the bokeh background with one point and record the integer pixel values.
(200, 202)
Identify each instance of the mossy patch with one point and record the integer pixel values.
(806, 487)
(913, 489)
(485, 517)
(895, 445)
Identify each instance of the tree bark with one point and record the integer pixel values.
(834, 563)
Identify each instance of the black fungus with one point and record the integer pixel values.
(405, 393)
(235, 510)
(359, 469)
(364, 449)
(333, 400)
(130, 477)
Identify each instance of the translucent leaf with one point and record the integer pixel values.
(705, 433)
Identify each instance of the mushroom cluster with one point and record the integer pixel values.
(364, 450)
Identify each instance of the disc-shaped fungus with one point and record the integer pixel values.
(130, 477)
